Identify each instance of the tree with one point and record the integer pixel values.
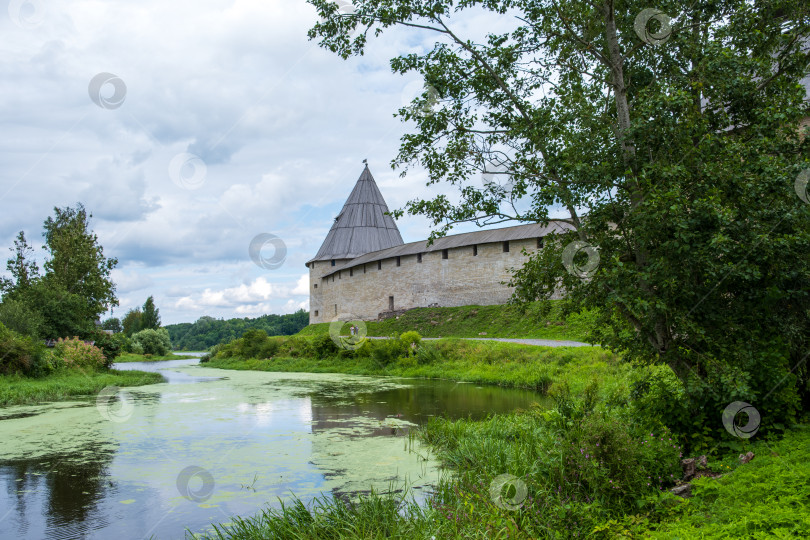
(77, 263)
(114, 324)
(22, 268)
(132, 322)
(155, 342)
(673, 151)
(151, 315)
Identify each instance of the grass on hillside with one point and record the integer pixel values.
(64, 384)
(506, 321)
(493, 362)
(132, 357)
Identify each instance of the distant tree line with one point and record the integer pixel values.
(208, 331)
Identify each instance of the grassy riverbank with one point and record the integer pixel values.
(508, 321)
(132, 357)
(67, 384)
(581, 470)
(492, 362)
(599, 464)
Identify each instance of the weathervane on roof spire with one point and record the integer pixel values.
(366, 162)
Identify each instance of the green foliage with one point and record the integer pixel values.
(75, 353)
(20, 354)
(21, 318)
(151, 315)
(111, 345)
(77, 263)
(683, 156)
(150, 341)
(24, 271)
(113, 323)
(411, 340)
(132, 322)
(208, 331)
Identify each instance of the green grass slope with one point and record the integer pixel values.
(505, 321)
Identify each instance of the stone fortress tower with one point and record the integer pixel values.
(364, 270)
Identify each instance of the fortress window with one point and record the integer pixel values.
(418, 257)
(351, 272)
(335, 309)
(390, 303)
(364, 268)
(539, 243)
(339, 274)
(506, 247)
(333, 262)
(379, 265)
(316, 312)
(316, 285)
(475, 251)
(398, 261)
(444, 254)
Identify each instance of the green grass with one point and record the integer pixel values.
(131, 357)
(767, 498)
(492, 362)
(66, 384)
(508, 321)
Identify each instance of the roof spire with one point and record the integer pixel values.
(362, 226)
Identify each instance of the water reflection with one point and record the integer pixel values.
(66, 472)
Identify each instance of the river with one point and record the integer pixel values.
(151, 461)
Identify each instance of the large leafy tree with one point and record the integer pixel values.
(75, 287)
(77, 263)
(670, 146)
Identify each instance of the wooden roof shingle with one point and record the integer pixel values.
(362, 226)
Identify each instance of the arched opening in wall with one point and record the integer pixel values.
(445, 253)
(475, 251)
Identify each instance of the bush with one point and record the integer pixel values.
(76, 353)
(154, 342)
(21, 354)
(17, 316)
(111, 345)
(135, 348)
(411, 340)
(387, 351)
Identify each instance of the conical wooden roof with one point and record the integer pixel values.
(362, 226)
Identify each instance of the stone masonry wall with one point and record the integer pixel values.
(461, 279)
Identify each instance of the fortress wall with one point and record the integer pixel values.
(461, 279)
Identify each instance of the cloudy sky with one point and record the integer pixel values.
(108, 103)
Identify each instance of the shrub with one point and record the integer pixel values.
(154, 342)
(411, 340)
(386, 351)
(135, 348)
(76, 353)
(110, 345)
(22, 319)
(20, 354)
